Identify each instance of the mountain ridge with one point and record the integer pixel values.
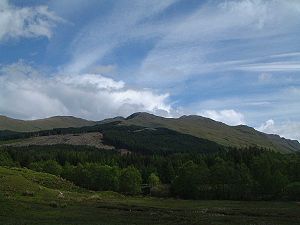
(221, 133)
(197, 126)
(7, 123)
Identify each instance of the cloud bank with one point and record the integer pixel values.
(287, 129)
(228, 116)
(25, 93)
(26, 22)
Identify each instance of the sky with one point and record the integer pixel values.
(237, 62)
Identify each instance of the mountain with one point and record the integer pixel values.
(7, 123)
(292, 145)
(196, 126)
(201, 127)
(111, 120)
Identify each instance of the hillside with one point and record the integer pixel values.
(93, 139)
(158, 140)
(7, 123)
(25, 180)
(196, 126)
(201, 127)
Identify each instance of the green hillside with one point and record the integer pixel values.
(18, 181)
(7, 123)
(201, 127)
(158, 140)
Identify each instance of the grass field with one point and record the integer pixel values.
(28, 197)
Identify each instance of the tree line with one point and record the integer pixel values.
(240, 174)
(136, 138)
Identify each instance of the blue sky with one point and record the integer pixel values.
(233, 61)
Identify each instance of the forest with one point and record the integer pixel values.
(235, 174)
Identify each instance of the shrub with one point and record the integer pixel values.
(49, 166)
(63, 205)
(292, 191)
(190, 177)
(28, 193)
(53, 204)
(130, 181)
(161, 190)
(153, 180)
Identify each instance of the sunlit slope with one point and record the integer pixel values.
(7, 123)
(201, 127)
(21, 182)
(197, 126)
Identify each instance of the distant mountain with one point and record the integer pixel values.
(7, 123)
(201, 127)
(111, 120)
(281, 142)
(196, 126)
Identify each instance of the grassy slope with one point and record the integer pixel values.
(78, 206)
(239, 136)
(42, 124)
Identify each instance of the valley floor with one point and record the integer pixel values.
(149, 211)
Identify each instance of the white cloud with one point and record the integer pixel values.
(193, 43)
(240, 31)
(103, 69)
(285, 129)
(128, 20)
(228, 116)
(272, 66)
(26, 94)
(287, 54)
(268, 125)
(91, 81)
(264, 77)
(26, 22)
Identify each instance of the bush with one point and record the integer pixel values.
(49, 166)
(53, 204)
(161, 191)
(28, 193)
(190, 177)
(63, 205)
(292, 191)
(6, 160)
(103, 178)
(153, 180)
(130, 181)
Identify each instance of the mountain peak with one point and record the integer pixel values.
(141, 115)
(193, 117)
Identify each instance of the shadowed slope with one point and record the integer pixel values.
(201, 127)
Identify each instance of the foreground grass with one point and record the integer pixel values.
(32, 198)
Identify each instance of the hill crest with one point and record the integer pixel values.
(197, 126)
(7, 123)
